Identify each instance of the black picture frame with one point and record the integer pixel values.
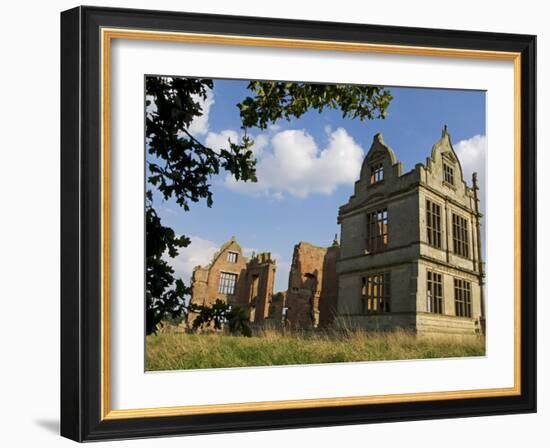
(81, 224)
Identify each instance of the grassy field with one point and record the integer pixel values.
(171, 350)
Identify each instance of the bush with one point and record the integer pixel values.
(217, 315)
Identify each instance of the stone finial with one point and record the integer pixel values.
(445, 131)
(378, 137)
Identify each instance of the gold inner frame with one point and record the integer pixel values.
(107, 35)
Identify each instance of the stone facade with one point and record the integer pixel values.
(312, 285)
(409, 257)
(236, 280)
(409, 252)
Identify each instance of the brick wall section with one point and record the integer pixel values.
(260, 277)
(254, 281)
(312, 285)
(329, 291)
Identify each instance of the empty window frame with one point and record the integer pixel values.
(227, 284)
(377, 230)
(254, 287)
(448, 174)
(460, 236)
(375, 293)
(463, 298)
(433, 223)
(434, 293)
(232, 257)
(376, 173)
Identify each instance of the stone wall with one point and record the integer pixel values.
(312, 285)
(328, 283)
(407, 255)
(254, 279)
(429, 324)
(260, 277)
(403, 286)
(377, 322)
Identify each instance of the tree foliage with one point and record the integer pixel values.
(274, 100)
(218, 314)
(181, 167)
(164, 294)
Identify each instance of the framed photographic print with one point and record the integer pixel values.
(273, 223)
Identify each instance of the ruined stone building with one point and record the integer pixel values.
(409, 256)
(309, 302)
(410, 253)
(312, 285)
(236, 280)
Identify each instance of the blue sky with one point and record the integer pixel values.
(307, 167)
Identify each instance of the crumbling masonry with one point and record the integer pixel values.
(311, 298)
(236, 280)
(409, 256)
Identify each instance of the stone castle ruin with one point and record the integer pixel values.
(409, 256)
(236, 280)
(311, 298)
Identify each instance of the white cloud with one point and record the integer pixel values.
(220, 140)
(472, 154)
(199, 252)
(261, 142)
(296, 166)
(217, 140)
(152, 107)
(199, 126)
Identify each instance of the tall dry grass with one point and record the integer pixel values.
(271, 346)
